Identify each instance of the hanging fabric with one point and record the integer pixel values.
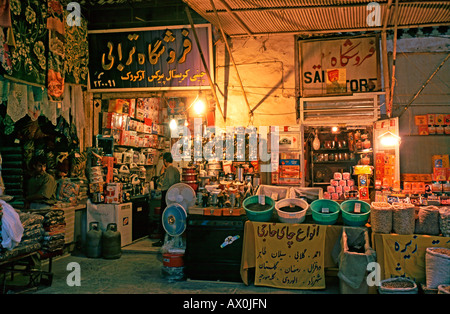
(55, 58)
(64, 110)
(78, 112)
(30, 37)
(5, 56)
(5, 13)
(76, 52)
(48, 108)
(17, 106)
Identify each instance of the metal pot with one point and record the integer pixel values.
(215, 166)
(189, 177)
(188, 170)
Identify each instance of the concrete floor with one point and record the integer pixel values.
(138, 271)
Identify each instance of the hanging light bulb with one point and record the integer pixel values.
(199, 106)
(173, 124)
(316, 142)
(389, 139)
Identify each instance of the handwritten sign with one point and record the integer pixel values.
(290, 256)
(404, 255)
(336, 66)
(148, 58)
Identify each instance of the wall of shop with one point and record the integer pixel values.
(417, 59)
(266, 68)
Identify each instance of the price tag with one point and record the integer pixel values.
(325, 210)
(262, 199)
(357, 208)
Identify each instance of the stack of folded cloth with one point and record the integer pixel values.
(31, 238)
(55, 228)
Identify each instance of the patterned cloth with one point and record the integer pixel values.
(29, 20)
(76, 52)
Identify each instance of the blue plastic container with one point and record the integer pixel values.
(265, 215)
(352, 219)
(325, 218)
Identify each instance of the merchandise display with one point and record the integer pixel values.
(329, 155)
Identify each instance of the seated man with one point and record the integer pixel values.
(41, 188)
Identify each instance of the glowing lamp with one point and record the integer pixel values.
(389, 139)
(173, 124)
(199, 106)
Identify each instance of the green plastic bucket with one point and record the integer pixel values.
(253, 215)
(352, 219)
(325, 218)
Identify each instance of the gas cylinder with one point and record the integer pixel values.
(94, 241)
(111, 242)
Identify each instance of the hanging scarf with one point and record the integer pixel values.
(55, 69)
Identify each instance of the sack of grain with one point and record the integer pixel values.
(444, 221)
(437, 265)
(398, 285)
(403, 218)
(444, 289)
(381, 217)
(428, 221)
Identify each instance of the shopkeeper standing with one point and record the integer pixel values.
(169, 176)
(41, 188)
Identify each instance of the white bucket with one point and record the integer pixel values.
(291, 217)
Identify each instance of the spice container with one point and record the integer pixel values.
(398, 285)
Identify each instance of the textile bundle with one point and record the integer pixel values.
(29, 240)
(55, 228)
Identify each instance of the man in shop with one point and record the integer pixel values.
(41, 188)
(170, 175)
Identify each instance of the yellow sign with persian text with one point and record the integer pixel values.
(404, 255)
(290, 256)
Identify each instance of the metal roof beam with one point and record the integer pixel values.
(236, 18)
(346, 30)
(315, 6)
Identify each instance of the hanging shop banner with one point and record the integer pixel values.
(404, 255)
(339, 66)
(289, 256)
(149, 58)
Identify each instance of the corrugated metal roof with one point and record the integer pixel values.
(258, 17)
